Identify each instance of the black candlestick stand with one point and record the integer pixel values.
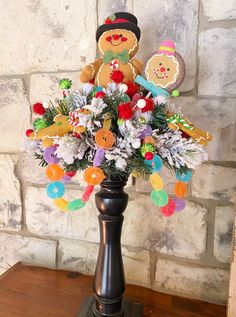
(109, 281)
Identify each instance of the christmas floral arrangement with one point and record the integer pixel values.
(119, 125)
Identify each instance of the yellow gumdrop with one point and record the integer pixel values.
(61, 203)
(156, 181)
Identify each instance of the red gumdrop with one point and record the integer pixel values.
(100, 94)
(87, 193)
(169, 209)
(28, 132)
(70, 173)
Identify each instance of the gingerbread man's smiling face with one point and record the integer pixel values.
(117, 40)
(165, 71)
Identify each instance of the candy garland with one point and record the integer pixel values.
(168, 206)
(56, 189)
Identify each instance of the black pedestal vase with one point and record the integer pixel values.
(109, 281)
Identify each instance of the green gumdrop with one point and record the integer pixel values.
(120, 122)
(125, 98)
(175, 93)
(65, 83)
(39, 124)
(147, 147)
(75, 204)
(159, 198)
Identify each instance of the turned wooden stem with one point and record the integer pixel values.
(109, 282)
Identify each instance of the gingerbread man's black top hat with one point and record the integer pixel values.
(120, 20)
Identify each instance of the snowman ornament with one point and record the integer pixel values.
(163, 73)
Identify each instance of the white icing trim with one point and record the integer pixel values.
(49, 137)
(98, 73)
(133, 69)
(93, 70)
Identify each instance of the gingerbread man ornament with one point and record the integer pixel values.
(162, 74)
(118, 42)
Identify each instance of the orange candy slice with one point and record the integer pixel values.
(181, 189)
(54, 172)
(93, 175)
(104, 138)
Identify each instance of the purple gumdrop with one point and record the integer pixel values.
(179, 203)
(66, 179)
(50, 156)
(146, 132)
(99, 155)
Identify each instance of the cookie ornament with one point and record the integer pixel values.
(163, 72)
(118, 42)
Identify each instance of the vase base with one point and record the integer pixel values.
(129, 308)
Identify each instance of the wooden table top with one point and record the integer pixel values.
(27, 291)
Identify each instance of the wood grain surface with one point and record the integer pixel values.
(27, 291)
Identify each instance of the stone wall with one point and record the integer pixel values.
(43, 41)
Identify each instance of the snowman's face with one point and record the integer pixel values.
(162, 70)
(118, 40)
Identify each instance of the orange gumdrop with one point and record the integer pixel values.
(54, 172)
(104, 138)
(93, 175)
(149, 139)
(181, 189)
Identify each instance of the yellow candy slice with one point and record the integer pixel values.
(61, 203)
(156, 181)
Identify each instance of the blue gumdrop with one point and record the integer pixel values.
(55, 190)
(184, 177)
(98, 88)
(155, 164)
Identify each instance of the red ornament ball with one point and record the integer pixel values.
(28, 132)
(169, 209)
(39, 108)
(77, 135)
(185, 135)
(149, 156)
(100, 94)
(92, 81)
(117, 76)
(108, 21)
(149, 105)
(132, 88)
(71, 173)
(125, 111)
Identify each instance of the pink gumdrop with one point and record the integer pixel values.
(136, 97)
(87, 193)
(169, 209)
(179, 203)
(50, 156)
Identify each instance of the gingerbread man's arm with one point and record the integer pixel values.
(90, 70)
(138, 65)
(199, 135)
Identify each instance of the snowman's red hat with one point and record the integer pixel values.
(119, 20)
